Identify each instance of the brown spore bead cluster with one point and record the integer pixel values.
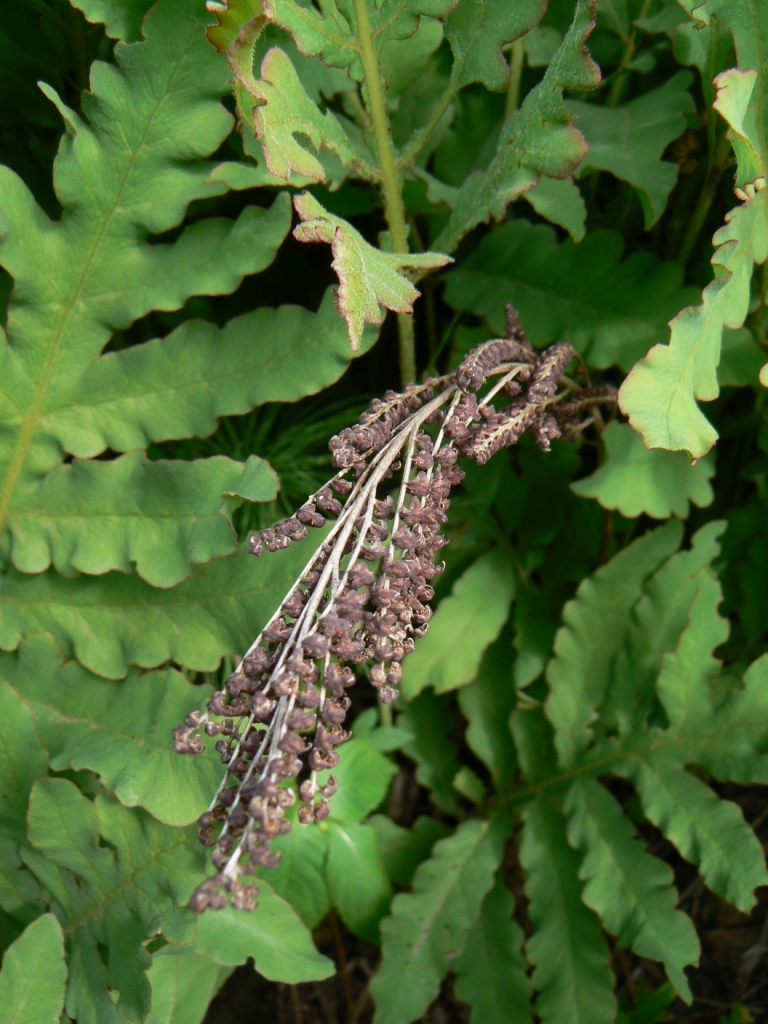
(364, 596)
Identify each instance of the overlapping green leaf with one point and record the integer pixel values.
(370, 280)
(610, 308)
(539, 139)
(112, 896)
(630, 890)
(478, 32)
(121, 18)
(339, 863)
(112, 622)
(466, 622)
(183, 984)
(152, 118)
(629, 141)
(33, 978)
(282, 109)
(570, 956)
(122, 731)
(637, 481)
(660, 396)
(429, 927)
(159, 517)
(649, 651)
(335, 34)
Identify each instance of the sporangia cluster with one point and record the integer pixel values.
(363, 598)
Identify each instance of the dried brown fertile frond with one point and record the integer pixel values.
(364, 595)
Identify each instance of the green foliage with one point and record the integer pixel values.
(589, 680)
(34, 974)
(660, 395)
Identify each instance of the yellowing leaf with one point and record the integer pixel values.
(637, 481)
(370, 280)
(660, 394)
(283, 109)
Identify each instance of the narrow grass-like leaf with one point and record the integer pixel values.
(33, 978)
(429, 927)
(464, 625)
(571, 960)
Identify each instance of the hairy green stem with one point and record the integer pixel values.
(391, 189)
(515, 77)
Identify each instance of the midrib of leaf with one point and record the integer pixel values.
(426, 930)
(32, 419)
(593, 767)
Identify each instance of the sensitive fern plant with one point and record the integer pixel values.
(364, 595)
(552, 802)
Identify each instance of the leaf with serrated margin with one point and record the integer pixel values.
(114, 898)
(630, 890)
(629, 141)
(120, 730)
(637, 481)
(111, 622)
(121, 18)
(479, 31)
(658, 618)
(660, 394)
(33, 978)
(611, 309)
(127, 169)
(570, 956)
(429, 927)
(595, 625)
(334, 35)
(282, 110)
(370, 280)
(465, 623)
(491, 972)
(538, 139)
(160, 517)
